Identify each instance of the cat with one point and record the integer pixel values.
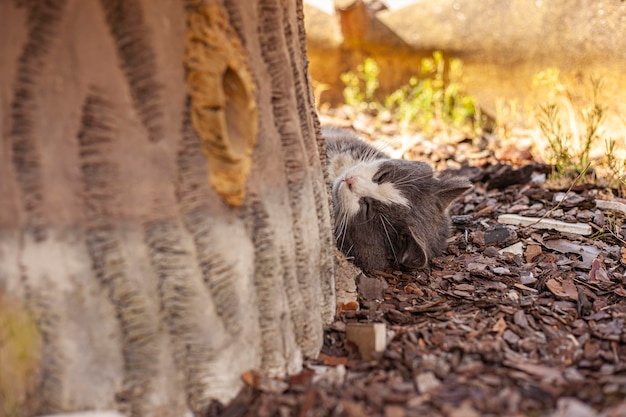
(389, 213)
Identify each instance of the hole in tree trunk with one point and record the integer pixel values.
(239, 118)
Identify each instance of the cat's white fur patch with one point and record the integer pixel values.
(339, 164)
(360, 175)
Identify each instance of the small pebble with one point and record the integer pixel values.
(527, 278)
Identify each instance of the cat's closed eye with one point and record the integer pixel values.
(380, 177)
(366, 203)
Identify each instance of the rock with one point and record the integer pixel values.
(500, 235)
(426, 381)
(527, 278)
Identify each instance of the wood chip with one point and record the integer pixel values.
(368, 337)
(552, 314)
(611, 205)
(426, 381)
(532, 251)
(549, 224)
(525, 288)
(565, 290)
(587, 252)
(516, 249)
(547, 374)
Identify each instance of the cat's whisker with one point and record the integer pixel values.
(383, 145)
(393, 251)
(370, 156)
(389, 223)
(408, 179)
(347, 253)
(342, 228)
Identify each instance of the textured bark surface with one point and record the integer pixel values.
(152, 287)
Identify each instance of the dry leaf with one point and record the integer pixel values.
(250, 378)
(302, 379)
(620, 291)
(330, 360)
(349, 306)
(569, 288)
(412, 288)
(255, 380)
(532, 251)
(565, 291)
(598, 272)
(499, 327)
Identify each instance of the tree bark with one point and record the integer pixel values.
(163, 210)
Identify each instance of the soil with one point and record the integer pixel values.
(511, 321)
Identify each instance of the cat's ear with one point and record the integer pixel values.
(451, 188)
(412, 254)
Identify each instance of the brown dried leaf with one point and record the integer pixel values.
(413, 288)
(532, 251)
(570, 289)
(598, 272)
(250, 378)
(349, 306)
(499, 327)
(566, 290)
(303, 378)
(330, 360)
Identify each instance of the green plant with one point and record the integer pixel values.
(512, 116)
(360, 87)
(435, 99)
(429, 102)
(616, 167)
(570, 133)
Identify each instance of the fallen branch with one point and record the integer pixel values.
(543, 223)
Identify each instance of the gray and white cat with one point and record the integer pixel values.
(389, 213)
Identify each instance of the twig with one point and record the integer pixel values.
(582, 173)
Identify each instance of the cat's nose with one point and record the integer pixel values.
(349, 181)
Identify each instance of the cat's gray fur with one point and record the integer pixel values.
(389, 213)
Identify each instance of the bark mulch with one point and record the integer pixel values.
(512, 321)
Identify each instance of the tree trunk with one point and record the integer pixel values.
(163, 211)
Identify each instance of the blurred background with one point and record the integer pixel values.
(514, 81)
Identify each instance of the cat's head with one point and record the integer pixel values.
(393, 213)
